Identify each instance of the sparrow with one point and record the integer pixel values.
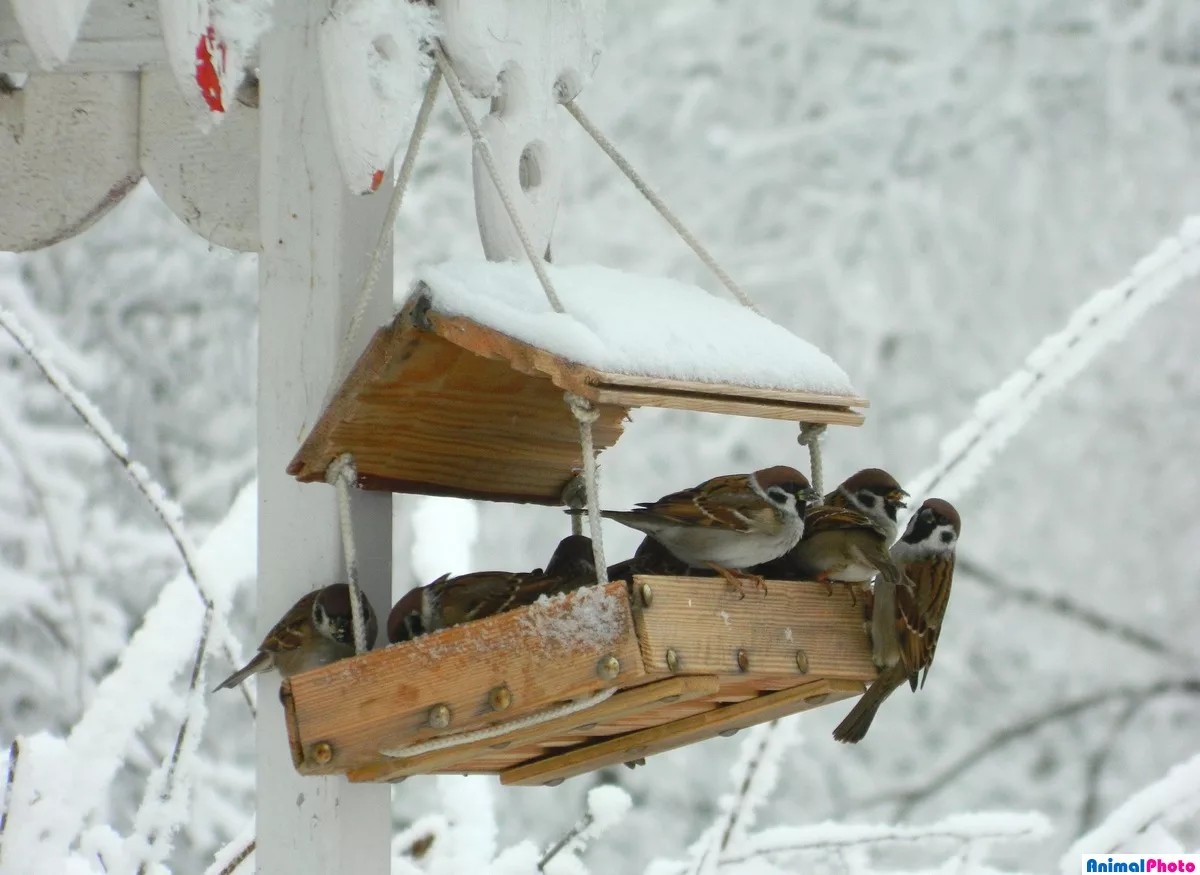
(847, 542)
(905, 628)
(316, 630)
(451, 601)
(728, 523)
(874, 492)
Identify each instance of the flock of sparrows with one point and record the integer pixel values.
(770, 524)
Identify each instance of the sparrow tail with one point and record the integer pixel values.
(261, 662)
(854, 727)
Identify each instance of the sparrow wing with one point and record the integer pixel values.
(921, 610)
(294, 630)
(830, 518)
(727, 502)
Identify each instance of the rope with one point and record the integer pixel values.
(389, 221)
(586, 413)
(810, 436)
(574, 496)
(343, 475)
(489, 162)
(500, 728)
(663, 210)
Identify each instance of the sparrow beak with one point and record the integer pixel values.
(896, 497)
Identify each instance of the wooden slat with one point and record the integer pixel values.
(687, 731)
(706, 624)
(381, 700)
(612, 379)
(729, 405)
(623, 704)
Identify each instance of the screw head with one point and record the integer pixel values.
(672, 660)
(586, 726)
(500, 745)
(500, 698)
(743, 660)
(728, 733)
(609, 667)
(802, 661)
(322, 753)
(555, 782)
(817, 699)
(647, 595)
(439, 717)
(667, 700)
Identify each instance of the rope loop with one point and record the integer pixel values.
(343, 474)
(810, 436)
(586, 414)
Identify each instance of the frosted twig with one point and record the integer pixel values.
(555, 849)
(1064, 607)
(238, 860)
(1104, 318)
(961, 828)
(908, 799)
(657, 202)
(167, 511)
(607, 805)
(14, 753)
(230, 858)
(1101, 755)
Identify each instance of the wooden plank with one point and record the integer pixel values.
(425, 416)
(657, 739)
(623, 704)
(543, 654)
(638, 381)
(726, 405)
(706, 624)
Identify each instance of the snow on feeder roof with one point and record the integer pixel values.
(462, 394)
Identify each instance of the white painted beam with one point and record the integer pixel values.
(315, 241)
(116, 36)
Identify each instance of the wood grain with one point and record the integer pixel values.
(706, 624)
(381, 700)
(565, 731)
(727, 405)
(612, 379)
(689, 730)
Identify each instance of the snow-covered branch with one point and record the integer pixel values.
(236, 856)
(1175, 796)
(607, 806)
(1103, 319)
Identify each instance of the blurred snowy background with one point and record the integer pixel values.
(922, 189)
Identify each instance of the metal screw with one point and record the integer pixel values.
(647, 595)
(609, 667)
(439, 716)
(817, 699)
(802, 661)
(555, 782)
(728, 733)
(501, 745)
(500, 698)
(672, 660)
(667, 700)
(743, 660)
(322, 753)
(585, 727)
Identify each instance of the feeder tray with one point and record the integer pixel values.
(443, 405)
(686, 658)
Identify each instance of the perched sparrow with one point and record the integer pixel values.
(728, 523)
(451, 601)
(874, 492)
(905, 629)
(651, 557)
(316, 631)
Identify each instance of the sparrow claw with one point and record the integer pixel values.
(823, 577)
(738, 579)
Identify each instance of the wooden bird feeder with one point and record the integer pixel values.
(442, 404)
(685, 660)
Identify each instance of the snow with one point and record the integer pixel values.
(444, 533)
(374, 70)
(608, 805)
(592, 617)
(50, 27)
(620, 322)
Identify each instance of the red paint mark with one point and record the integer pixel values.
(207, 72)
(376, 180)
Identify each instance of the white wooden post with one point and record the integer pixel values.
(316, 240)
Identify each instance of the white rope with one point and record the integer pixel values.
(810, 436)
(342, 474)
(489, 162)
(500, 728)
(574, 496)
(389, 221)
(586, 413)
(657, 202)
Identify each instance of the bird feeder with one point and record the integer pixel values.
(600, 676)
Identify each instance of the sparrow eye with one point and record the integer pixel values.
(947, 537)
(866, 499)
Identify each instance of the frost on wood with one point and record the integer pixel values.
(630, 324)
(374, 69)
(1175, 797)
(1104, 318)
(50, 27)
(592, 617)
